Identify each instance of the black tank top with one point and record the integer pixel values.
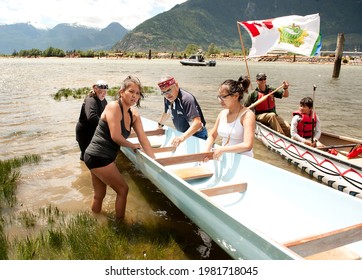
(125, 132)
(102, 144)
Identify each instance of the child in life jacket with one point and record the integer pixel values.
(305, 127)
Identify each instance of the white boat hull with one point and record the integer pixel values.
(276, 208)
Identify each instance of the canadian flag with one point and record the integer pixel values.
(295, 34)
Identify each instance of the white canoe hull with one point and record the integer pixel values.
(278, 207)
(335, 171)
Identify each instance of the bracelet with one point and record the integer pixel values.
(160, 124)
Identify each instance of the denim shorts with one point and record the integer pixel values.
(202, 133)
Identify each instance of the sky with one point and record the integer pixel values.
(92, 13)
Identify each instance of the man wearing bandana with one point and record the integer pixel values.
(184, 109)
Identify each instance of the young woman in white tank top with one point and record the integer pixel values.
(232, 133)
(235, 124)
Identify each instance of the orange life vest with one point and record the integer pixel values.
(305, 124)
(267, 106)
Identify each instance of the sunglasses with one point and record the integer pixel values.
(102, 86)
(223, 97)
(169, 91)
(262, 79)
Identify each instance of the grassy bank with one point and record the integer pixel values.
(49, 233)
(82, 237)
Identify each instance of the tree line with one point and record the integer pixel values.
(55, 52)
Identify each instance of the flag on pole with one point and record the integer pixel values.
(295, 34)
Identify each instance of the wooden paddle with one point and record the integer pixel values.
(337, 146)
(256, 103)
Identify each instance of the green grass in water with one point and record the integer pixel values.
(9, 175)
(82, 237)
(82, 92)
(53, 235)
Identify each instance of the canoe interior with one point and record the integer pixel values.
(330, 139)
(275, 207)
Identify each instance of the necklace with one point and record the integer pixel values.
(231, 130)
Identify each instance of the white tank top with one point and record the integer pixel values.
(235, 129)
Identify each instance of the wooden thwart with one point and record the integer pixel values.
(323, 242)
(159, 131)
(164, 149)
(158, 149)
(341, 253)
(195, 172)
(225, 189)
(184, 158)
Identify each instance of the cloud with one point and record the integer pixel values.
(94, 13)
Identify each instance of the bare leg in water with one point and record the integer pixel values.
(109, 175)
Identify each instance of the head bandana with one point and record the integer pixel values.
(165, 84)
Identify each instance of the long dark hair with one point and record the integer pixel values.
(238, 86)
(132, 80)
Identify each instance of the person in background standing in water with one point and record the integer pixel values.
(90, 112)
(235, 123)
(186, 112)
(265, 112)
(114, 127)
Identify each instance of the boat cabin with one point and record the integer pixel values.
(197, 57)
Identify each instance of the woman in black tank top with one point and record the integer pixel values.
(102, 151)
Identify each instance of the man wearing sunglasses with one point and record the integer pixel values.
(90, 112)
(265, 112)
(184, 109)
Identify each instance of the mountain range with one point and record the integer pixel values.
(199, 22)
(24, 36)
(203, 22)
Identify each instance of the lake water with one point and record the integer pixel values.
(32, 122)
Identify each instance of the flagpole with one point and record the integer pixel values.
(242, 46)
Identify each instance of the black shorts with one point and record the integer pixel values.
(95, 162)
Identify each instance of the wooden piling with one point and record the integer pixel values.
(338, 56)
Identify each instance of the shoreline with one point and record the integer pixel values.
(356, 61)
